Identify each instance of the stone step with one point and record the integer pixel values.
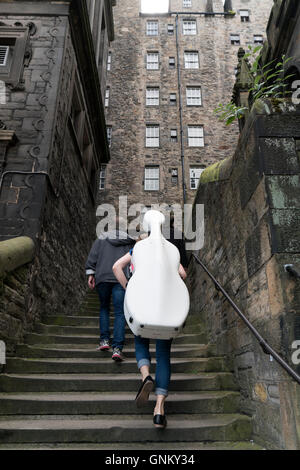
(79, 325)
(111, 383)
(108, 366)
(35, 338)
(136, 446)
(125, 428)
(96, 403)
(73, 351)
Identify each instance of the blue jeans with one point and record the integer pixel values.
(106, 290)
(163, 365)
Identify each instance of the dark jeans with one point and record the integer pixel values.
(106, 290)
(163, 365)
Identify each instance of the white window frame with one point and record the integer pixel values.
(255, 39)
(193, 96)
(152, 64)
(152, 96)
(195, 174)
(152, 135)
(4, 54)
(195, 136)
(173, 99)
(235, 39)
(191, 64)
(152, 28)
(189, 27)
(107, 97)
(151, 178)
(172, 62)
(108, 68)
(174, 135)
(102, 179)
(187, 3)
(245, 16)
(170, 29)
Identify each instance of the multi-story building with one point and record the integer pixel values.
(52, 140)
(166, 75)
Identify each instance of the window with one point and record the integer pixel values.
(4, 50)
(258, 39)
(187, 3)
(13, 42)
(193, 96)
(195, 136)
(152, 28)
(195, 174)
(109, 62)
(151, 182)
(109, 135)
(102, 177)
(152, 61)
(172, 62)
(173, 99)
(235, 39)
(244, 16)
(152, 96)
(191, 60)
(174, 176)
(189, 27)
(170, 29)
(152, 136)
(107, 96)
(173, 135)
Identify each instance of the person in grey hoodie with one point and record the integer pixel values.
(106, 250)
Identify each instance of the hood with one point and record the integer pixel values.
(117, 238)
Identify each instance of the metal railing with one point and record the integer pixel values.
(267, 349)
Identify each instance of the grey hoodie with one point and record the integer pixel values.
(106, 250)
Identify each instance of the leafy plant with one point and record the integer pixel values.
(230, 112)
(268, 82)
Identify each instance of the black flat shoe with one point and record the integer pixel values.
(160, 421)
(144, 391)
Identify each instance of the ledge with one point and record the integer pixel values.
(15, 253)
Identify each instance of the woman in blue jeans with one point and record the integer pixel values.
(163, 365)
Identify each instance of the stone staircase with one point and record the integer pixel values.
(60, 393)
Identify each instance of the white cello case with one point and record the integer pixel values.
(157, 300)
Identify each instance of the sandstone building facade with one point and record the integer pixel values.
(52, 143)
(166, 75)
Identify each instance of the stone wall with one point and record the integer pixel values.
(56, 209)
(251, 231)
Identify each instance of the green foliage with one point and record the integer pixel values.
(268, 82)
(229, 112)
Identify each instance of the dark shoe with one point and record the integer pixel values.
(144, 391)
(160, 421)
(117, 355)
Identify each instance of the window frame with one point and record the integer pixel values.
(191, 138)
(102, 177)
(195, 177)
(189, 31)
(148, 179)
(187, 4)
(154, 53)
(17, 39)
(255, 41)
(149, 31)
(243, 20)
(107, 97)
(152, 98)
(235, 42)
(188, 89)
(190, 53)
(154, 137)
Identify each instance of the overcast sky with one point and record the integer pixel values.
(156, 6)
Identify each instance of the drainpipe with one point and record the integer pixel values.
(180, 113)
